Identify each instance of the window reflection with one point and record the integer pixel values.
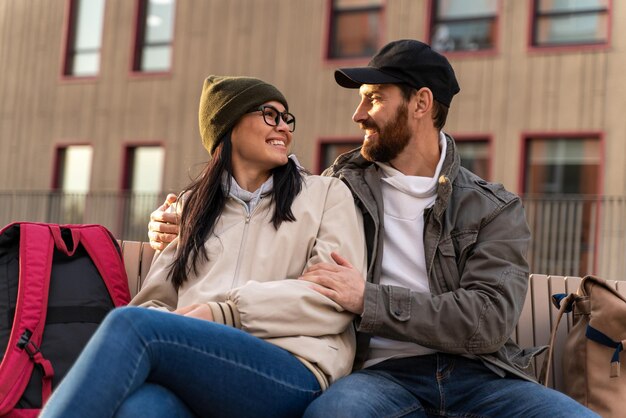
(559, 22)
(459, 25)
(564, 166)
(155, 35)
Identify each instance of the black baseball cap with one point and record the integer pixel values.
(405, 61)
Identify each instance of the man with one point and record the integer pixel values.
(447, 273)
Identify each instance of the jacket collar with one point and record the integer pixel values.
(359, 173)
(449, 172)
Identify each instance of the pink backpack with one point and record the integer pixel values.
(57, 282)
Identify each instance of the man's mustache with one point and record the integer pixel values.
(368, 124)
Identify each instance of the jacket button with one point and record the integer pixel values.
(397, 312)
(443, 179)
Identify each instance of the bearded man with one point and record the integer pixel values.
(447, 274)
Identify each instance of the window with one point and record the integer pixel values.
(354, 28)
(561, 181)
(71, 183)
(155, 32)
(562, 166)
(474, 155)
(145, 169)
(570, 22)
(143, 183)
(330, 150)
(84, 39)
(461, 25)
(73, 168)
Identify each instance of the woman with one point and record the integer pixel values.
(244, 339)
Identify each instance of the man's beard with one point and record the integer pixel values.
(393, 137)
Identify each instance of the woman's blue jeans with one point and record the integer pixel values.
(440, 385)
(146, 363)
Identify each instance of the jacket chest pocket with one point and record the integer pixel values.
(452, 254)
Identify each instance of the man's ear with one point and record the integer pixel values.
(421, 101)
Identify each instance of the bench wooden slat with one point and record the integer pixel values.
(557, 285)
(131, 251)
(147, 254)
(541, 316)
(524, 328)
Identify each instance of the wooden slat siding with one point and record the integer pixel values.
(557, 285)
(131, 250)
(541, 316)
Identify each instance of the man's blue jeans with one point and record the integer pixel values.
(439, 385)
(146, 363)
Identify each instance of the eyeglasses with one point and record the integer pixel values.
(272, 116)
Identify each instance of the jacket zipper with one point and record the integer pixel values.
(248, 216)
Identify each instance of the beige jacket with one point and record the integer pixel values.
(249, 279)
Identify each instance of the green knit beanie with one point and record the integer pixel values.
(225, 99)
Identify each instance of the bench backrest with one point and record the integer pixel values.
(533, 329)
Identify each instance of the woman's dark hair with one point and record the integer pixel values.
(440, 111)
(204, 202)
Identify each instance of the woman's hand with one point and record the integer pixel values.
(197, 310)
(163, 226)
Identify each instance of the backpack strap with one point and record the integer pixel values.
(22, 352)
(107, 257)
(564, 303)
(601, 338)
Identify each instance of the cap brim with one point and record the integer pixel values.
(353, 78)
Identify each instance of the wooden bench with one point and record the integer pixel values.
(533, 329)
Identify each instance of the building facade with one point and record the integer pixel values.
(98, 116)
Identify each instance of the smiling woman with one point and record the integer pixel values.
(231, 332)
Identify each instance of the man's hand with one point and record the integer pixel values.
(163, 226)
(197, 310)
(340, 282)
